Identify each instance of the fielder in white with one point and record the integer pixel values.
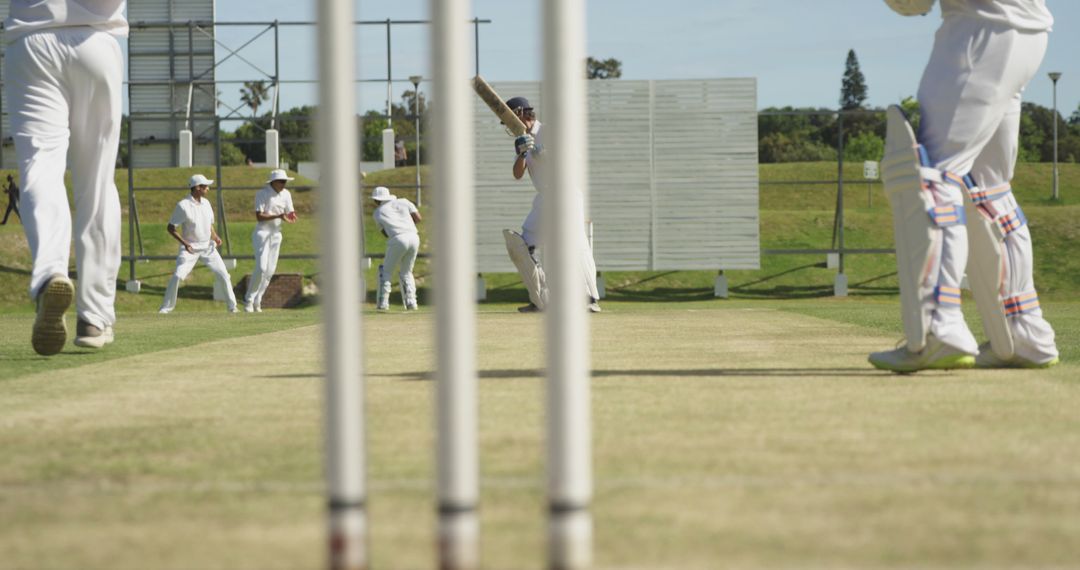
(953, 207)
(63, 73)
(397, 219)
(522, 247)
(272, 205)
(198, 240)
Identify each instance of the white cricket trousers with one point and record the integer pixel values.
(64, 90)
(530, 233)
(185, 262)
(400, 250)
(970, 98)
(267, 246)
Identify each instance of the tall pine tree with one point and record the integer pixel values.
(853, 88)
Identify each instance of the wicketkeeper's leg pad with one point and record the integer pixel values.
(532, 274)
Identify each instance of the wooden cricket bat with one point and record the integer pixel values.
(498, 106)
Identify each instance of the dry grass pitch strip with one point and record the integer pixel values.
(749, 438)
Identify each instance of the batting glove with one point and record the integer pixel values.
(524, 144)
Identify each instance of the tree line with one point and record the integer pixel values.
(785, 134)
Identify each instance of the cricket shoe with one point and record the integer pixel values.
(50, 328)
(530, 308)
(411, 307)
(936, 355)
(248, 308)
(987, 359)
(90, 336)
(594, 306)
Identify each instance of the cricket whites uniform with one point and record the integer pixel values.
(195, 218)
(63, 73)
(971, 124)
(266, 241)
(530, 228)
(394, 217)
(984, 55)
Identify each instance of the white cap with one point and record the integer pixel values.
(382, 194)
(199, 180)
(278, 175)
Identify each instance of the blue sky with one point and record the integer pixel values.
(795, 48)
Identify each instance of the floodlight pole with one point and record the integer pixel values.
(1054, 76)
(415, 79)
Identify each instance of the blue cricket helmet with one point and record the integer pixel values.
(516, 103)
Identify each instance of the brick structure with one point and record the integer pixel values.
(284, 291)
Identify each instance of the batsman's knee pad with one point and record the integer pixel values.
(924, 202)
(532, 274)
(995, 218)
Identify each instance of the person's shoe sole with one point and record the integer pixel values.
(954, 362)
(94, 341)
(50, 328)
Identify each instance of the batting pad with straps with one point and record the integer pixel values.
(917, 225)
(994, 216)
(528, 267)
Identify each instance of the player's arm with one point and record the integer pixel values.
(416, 217)
(176, 235)
(264, 217)
(519, 166)
(214, 236)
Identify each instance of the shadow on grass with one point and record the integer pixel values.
(14, 270)
(685, 373)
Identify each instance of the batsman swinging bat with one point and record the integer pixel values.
(498, 106)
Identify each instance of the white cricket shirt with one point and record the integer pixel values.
(1024, 15)
(394, 218)
(194, 220)
(269, 202)
(28, 16)
(534, 160)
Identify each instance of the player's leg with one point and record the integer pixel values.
(529, 268)
(259, 242)
(185, 262)
(273, 248)
(96, 76)
(395, 250)
(588, 268)
(39, 114)
(963, 100)
(405, 275)
(212, 260)
(1001, 265)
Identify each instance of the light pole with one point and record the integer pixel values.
(415, 79)
(1054, 76)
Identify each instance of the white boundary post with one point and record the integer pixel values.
(569, 467)
(455, 292)
(340, 266)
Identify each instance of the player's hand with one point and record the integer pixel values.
(217, 241)
(290, 217)
(187, 246)
(524, 144)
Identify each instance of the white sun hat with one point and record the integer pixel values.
(382, 194)
(199, 180)
(279, 175)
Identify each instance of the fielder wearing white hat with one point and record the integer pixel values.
(199, 180)
(382, 194)
(278, 175)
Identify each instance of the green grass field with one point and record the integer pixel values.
(740, 433)
(745, 434)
